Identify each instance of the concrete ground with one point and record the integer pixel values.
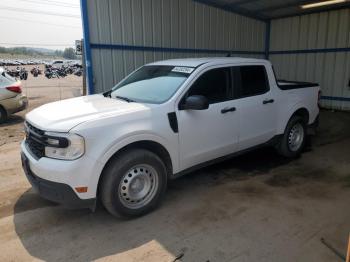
(257, 207)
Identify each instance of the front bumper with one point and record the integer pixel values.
(54, 191)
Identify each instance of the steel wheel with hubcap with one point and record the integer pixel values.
(296, 137)
(133, 183)
(293, 139)
(138, 186)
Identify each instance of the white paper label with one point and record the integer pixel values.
(182, 69)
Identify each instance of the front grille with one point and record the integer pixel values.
(35, 140)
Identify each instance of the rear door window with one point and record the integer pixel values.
(253, 81)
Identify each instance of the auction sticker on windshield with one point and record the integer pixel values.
(183, 69)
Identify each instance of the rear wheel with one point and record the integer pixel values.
(3, 115)
(294, 138)
(133, 183)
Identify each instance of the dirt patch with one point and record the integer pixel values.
(279, 180)
(301, 174)
(346, 181)
(315, 190)
(334, 127)
(256, 206)
(249, 190)
(30, 200)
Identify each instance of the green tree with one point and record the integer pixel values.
(58, 53)
(69, 53)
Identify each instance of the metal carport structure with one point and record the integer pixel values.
(303, 44)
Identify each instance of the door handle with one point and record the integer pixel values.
(268, 101)
(228, 109)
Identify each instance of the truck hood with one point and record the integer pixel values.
(63, 115)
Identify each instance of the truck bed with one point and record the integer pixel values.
(287, 85)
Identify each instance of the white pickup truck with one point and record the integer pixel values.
(162, 121)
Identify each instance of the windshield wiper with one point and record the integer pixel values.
(125, 99)
(107, 94)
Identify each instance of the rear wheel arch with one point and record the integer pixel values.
(293, 140)
(302, 112)
(298, 111)
(301, 116)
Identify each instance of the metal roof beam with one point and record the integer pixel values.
(234, 9)
(284, 5)
(242, 2)
(313, 11)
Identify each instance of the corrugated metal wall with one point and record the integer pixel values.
(315, 31)
(163, 23)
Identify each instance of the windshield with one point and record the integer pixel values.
(152, 84)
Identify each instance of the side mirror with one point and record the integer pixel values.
(195, 102)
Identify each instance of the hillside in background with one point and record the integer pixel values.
(31, 52)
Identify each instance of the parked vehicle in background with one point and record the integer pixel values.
(18, 72)
(35, 71)
(57, 63)
(162, 121)
(63, 71)
(11, 98)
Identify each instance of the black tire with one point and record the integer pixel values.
(114, 177)
(3, 115)
(285, 147)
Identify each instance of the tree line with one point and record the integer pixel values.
(67, 53)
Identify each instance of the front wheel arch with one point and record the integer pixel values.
(149, 145)
(140, 178)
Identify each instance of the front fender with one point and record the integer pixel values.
(127, 140)
(124, 141)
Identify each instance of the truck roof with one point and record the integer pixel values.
(194, 62)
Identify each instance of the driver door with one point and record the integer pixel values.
(211, 133)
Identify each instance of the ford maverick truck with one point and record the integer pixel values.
(162, 121)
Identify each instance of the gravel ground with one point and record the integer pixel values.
(257, 207)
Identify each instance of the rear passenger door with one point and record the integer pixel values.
(255, 104)
(208, 134)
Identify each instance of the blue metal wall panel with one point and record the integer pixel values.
(315, 48)
(173, 28)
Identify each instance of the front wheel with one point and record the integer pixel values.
(294, 137)
(133, 183)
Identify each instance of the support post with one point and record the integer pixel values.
(87, 47)
(267, 39)
(84, 68)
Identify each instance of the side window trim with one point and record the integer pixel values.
(236, 82)
(239, 82)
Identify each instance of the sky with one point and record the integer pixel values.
(53, 24)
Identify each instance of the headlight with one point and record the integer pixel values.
(65, 146)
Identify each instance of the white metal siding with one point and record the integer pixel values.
(315, 31)
(163, 23)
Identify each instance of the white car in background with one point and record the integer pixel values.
(11, 98)
(162, 121)
(57, 63)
